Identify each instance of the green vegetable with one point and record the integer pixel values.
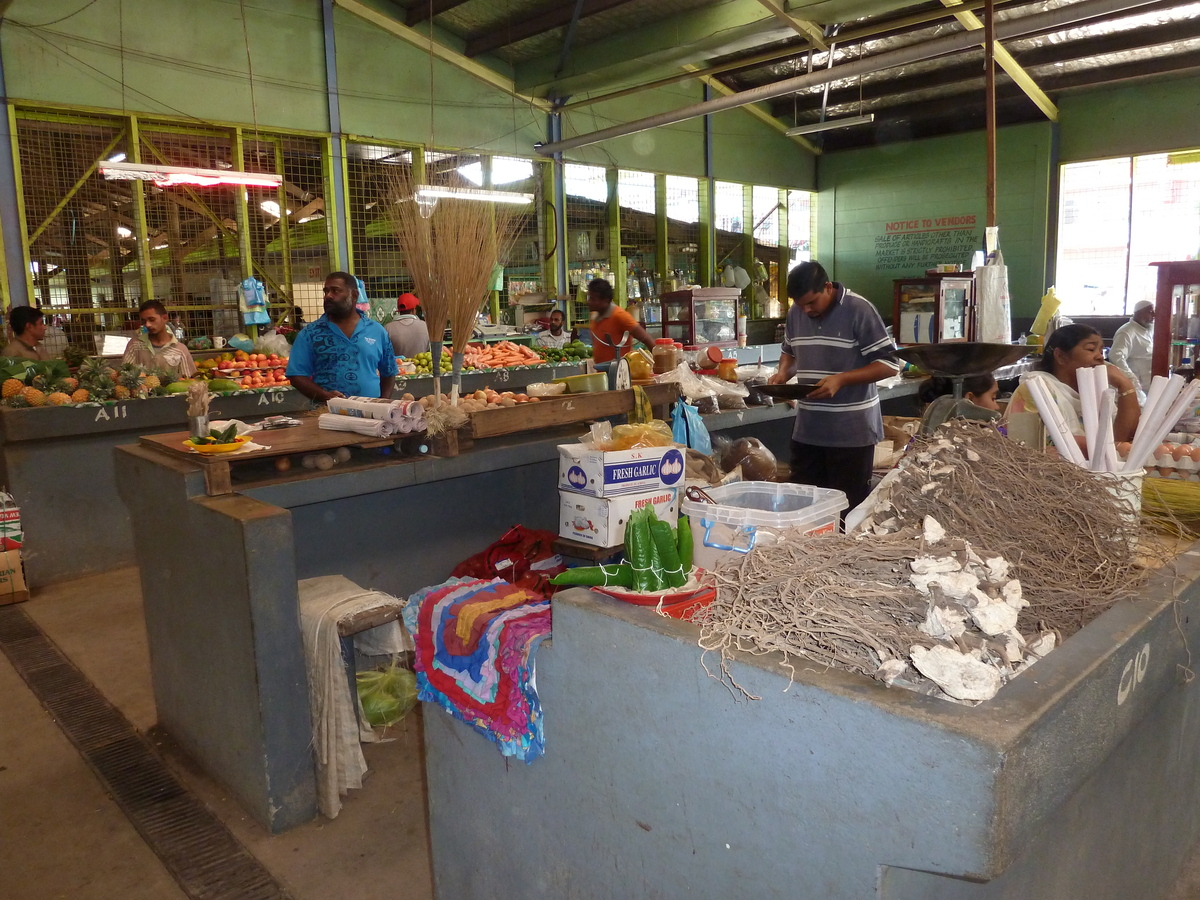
(177, 387)
(223, 384)
(592, 576)
(638, 544)
(684, 543)
(668, 554)
(387, 695)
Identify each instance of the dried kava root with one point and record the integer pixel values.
(1075, 550)
(915, 608)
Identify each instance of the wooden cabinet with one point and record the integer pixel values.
(934, 309)
(701, 316)
(1176, 301)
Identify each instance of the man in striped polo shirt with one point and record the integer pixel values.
(836, 339)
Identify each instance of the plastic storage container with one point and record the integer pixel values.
(666, 356)
(748, 514)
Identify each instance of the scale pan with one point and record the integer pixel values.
(962, 358)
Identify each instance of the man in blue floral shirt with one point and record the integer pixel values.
(343, 353)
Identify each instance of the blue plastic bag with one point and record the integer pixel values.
(688, 428)
(252, 300)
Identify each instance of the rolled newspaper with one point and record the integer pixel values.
(406, 415)
(380, 428)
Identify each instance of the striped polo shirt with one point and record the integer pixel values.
(848, 336)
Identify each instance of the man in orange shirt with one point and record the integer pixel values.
(610, 323)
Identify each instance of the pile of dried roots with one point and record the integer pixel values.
(977, 551)
(1072, 545)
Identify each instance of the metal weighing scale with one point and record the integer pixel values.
(959, 361)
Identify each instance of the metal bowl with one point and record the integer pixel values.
(962, 358)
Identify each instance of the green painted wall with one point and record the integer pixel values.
(188, 59)
(1124, 121)
(172, 57)
(889, 212)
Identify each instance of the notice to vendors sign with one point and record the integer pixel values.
(922, 243)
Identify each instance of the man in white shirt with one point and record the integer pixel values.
(555, 337)
(1133, 345)
(408, 332)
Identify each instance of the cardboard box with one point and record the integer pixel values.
(11, 534)
(12, 578)
(615, 472)
(600, 521)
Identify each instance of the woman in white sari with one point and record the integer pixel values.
(1067, 350)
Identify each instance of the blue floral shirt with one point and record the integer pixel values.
(353, 365)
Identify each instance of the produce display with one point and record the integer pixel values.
(657, 557)
(503, 354)
(478, 401)
(246, 370)
(30, 383)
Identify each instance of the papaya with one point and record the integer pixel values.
(223, 384)
(177, 387)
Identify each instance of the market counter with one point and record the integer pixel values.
(1081, 779)
(58, 465)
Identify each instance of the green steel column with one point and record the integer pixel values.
(550, 234)
(141, 231)
(662, 250)
(706, 244)
(333, 204)
(616, 262)
(343, 202)
(485, 165)
(748, 248)
(22, 226)
(418, 165)
(242, 207)
(285, 234)
(785, 254)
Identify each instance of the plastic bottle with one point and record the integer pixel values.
(727, 370)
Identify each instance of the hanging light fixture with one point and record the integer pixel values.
(427, 192)
(830, 125)
(167, 176)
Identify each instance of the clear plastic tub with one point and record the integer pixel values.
(748, 514)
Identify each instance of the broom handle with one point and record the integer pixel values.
(457, 361)
(435, 354)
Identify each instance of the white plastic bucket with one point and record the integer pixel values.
(749, 514)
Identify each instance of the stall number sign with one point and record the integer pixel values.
(1133, 674)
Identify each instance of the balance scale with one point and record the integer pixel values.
(959, 361)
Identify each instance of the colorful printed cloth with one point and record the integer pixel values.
(475, 645)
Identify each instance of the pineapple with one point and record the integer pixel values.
(151, 382)
(11, 388)
(102, 388)
(17, 401)
(33, 396)
(91, 369)
(80, 396)
(129, 381)
(70, 385)
(58, 398)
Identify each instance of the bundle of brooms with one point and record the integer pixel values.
(451, 253)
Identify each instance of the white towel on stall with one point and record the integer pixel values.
(337, 729)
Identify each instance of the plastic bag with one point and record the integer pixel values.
(655, 433)
(273, 343)
(689, 429)
(523, 557)
(387, 695)
(757, 462)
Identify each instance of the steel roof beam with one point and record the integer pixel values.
(547, 20)
(803, 27)
(427, 9)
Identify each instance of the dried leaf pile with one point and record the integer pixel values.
(978, 556)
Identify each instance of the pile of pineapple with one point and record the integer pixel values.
(96, 382)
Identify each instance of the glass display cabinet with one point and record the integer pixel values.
(701, 316)
(934, 309)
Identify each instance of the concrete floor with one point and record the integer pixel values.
(62, 837)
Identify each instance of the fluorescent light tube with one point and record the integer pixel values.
(829, 125)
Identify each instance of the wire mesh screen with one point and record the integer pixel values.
(639, 232)
(728, 221)
(378, 257)
(683, 227)
(802, 210)
(289, 235)
(587, 230)
(80, 227)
